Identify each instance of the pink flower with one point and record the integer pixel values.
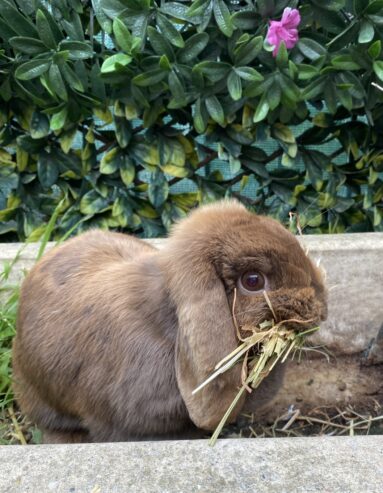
(284, 30)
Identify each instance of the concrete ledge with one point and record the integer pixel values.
(282, 465)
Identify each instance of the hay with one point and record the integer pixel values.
(320, 421)
(17, 429)
(269, 343)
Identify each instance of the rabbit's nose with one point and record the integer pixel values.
(299, 307)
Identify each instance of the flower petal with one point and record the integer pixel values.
(272, 34)
(291, 18)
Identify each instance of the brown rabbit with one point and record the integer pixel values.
(113, 335)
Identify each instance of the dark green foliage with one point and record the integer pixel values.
(203, 85)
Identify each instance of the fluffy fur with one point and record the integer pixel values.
(113, 334)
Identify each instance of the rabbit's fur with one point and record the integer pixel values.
(113, 335)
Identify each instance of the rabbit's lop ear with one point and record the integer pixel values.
(206, 335)
(206, 332)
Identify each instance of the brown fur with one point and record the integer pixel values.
(113, 335)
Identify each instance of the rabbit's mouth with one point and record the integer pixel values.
(297, 309)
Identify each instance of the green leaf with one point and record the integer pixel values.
(315, 88)
(176, 87)
(215, 110)
(311, 49)
(32, 69)
(146, 210)
(92, 203)
(314, 171)
(61, 57)
(138, 5)
(193, 47)
(374, 7)
(122, 35)
(113, 63)
(356, 87)
(344, 62)
(179, 11)
(249, 74)
(170, 32)
(366, 33)
(330, 5)
(30, 46)
(158, 189)
(30, 145)
(127, 170)
(44, 30)
(58, 119)
(57, 82)
(175, 171)
(165, 63)
(54, 27)
(222, 17)
(47, 169)
(282, 56)
(152, 114)
(262, 110)
(326, 200)
(71, 77)
(201, 116)
(77, 49)
(66, 139)
(306, 72)
(176, 155)
(102, 18)
(197, 8)
(375, 49)
(8, 181)
(123, 131)
(234, 85)
(110, 161)
(215, 71)
(283, 133)
(246, 53)
(6, 31)
(273, 95)
(246, 20)
(73, 27)
(323, 120)
(330, 97)
(290, 89)
(39, 126)
(21, 25)
(378, 68)
(150, 78)
(27, 7)
(159, 43)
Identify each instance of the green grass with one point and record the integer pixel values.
(9, 295)
(14, 428)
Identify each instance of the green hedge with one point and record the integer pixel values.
(126, 113)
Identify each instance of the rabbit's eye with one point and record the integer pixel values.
(252, 281)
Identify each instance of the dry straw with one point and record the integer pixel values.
(270, 343)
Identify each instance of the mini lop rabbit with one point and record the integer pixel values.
(113, 335)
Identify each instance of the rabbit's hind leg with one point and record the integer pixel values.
(57, 426)
(51, 436)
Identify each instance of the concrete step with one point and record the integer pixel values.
(281, 465)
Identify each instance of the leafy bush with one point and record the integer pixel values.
(129, 112)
